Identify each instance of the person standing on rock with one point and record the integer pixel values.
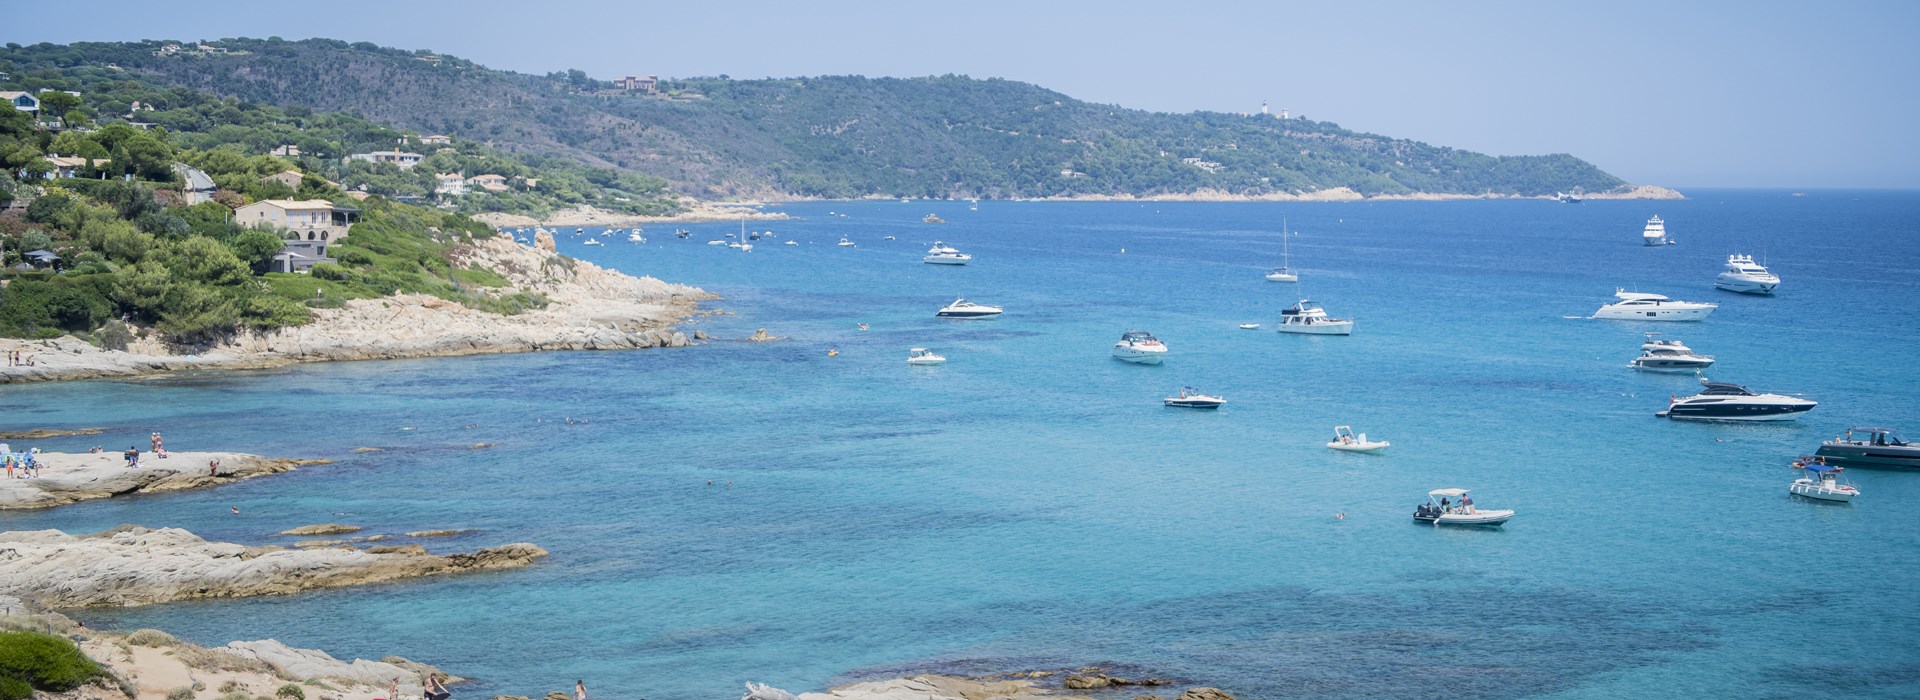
(579, 690)
(133, 456)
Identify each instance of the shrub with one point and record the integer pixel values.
(145, 637)
(32, 661)
(331, 271)
(181, 694)
(290, 692)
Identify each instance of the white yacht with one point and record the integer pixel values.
(1732, 402)
(923, 356)
(591, 241)
(1655, 233)
(1875, 447)
(1345, 441)
(1746, 276)
(1192, 398)
(1305, 317)
(1455, 507)
(791, 242)
(961, 308)
(1140, 347)
(716, 241)
(1822, 482)
(844, 243)
(1669, 356)
(1636, 306)
(1249, 326)
(635, 237)
(943, 254)
(1284, 273)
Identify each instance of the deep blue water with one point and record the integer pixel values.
(1031, 505)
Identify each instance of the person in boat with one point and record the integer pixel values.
(1444, 506)
(1346, 439)
(1466, 504)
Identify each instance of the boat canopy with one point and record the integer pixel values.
(1725, 389)
(1638, 296)
(1136, 336)
(1448, 493)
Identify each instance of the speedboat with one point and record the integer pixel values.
(1745, 276)
(1669, 356)
(1249, 326)
(1822, 482)
(1455, 507)
(923, 356)
(961, 308)
(1655, 233)
(591, 241)
(1140, 347)
(636, 237)
(1305, 317)
(1636, 306)
(886, 238)
(791, 242)
(682, 233)
(1345, 441)
(1192, 398)
(943, 254)
(844, 243)
(1877, 447)
(1732, 402)
(716, 241)
(932, 219)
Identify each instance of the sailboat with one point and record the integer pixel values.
(1284, 273)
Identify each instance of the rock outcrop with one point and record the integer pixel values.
(66, 478)
(132, 565)
(322, 529)
(939, 688)
(588, 308)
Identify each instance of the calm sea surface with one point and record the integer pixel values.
(1031, 505)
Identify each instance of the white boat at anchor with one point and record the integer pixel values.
(1345, 441)
(1725, 401)
(961, 308)
(1638, 306)
(1822, 482)
(1192, 398)
(1745, 276)
(1305, 317)
(1669, 356)
(923, 356)
(1140, 347)
(591, 241)
(791, 242)
(1285, 272)
(1456, 507)
(1655, 234)
(943, 254)
(844, 243)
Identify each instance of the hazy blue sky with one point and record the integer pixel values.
(1803, 94)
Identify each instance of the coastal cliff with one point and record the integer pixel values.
(69, 478)
(132, 565)
(588, 308)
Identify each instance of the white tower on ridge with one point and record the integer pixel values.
(1263, 108)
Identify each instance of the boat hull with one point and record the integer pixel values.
(1744, 285)
(1484, 518)
(1138, 356)
(1282, 277)
(1360, 447)
(1870, 455)
(1670, 365)
(1193, 403)
(967, 314)
(1741, 412)
(935, 260)
(924, 361)
(1318, 328)
(1807, 488)
(1685, 313)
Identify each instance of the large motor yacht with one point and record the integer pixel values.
(1305, 317)
(1636, 306)
(1669, 356)
(1745, 276)
(1732, 402)
(943, 254)
(961, 308)
(1655, 233)
(1140, 347)
(1870, 447)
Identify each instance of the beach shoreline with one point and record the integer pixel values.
(1337, 194)
(66, 478)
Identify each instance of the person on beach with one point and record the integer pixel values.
(213, 467)
(133, 456)
(433, 690)
(393, 691)
(579, 690)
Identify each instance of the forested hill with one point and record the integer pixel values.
(836, 136)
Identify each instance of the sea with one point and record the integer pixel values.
(815, 511)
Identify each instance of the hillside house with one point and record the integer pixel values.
(404, 159)
(490, 183)
(308, 220)
(450, 184)
(23, 101)
(198, 186)
(287, 151)
(69, 166)
(633, 83)
(290, 178)
(436, 139)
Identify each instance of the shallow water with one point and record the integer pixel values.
(1030, 504)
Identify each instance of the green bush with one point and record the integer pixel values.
(35, 661)
(150, 637)
(290, 692)
(331, 271)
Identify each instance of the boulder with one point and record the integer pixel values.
(323, 529)
(1205, 694)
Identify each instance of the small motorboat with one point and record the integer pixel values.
(1636, 306)
(1455, 507)
(1140, 347)
(791, 242)
(1865, 446)
(591, 241)
(1822, 482)
(1249, 326)
(932, 219)
(716, 241)
(961, 308)
(635, 237)
(1345, 441)
(1669, 356)
(1192, 398)
(889, 238)
(923, 356)
(682, 233)
(1306, 317)
(844, 243)
(1731, 402)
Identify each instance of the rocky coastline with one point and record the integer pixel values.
(589, 308)
(70, 478)
(695, 211)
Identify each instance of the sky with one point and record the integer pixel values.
(1680, 94)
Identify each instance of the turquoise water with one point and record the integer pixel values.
(1031, 505)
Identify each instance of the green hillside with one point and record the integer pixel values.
(834, 136)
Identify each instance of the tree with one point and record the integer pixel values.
(201, 259)
(57, 102)
(256, 248)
